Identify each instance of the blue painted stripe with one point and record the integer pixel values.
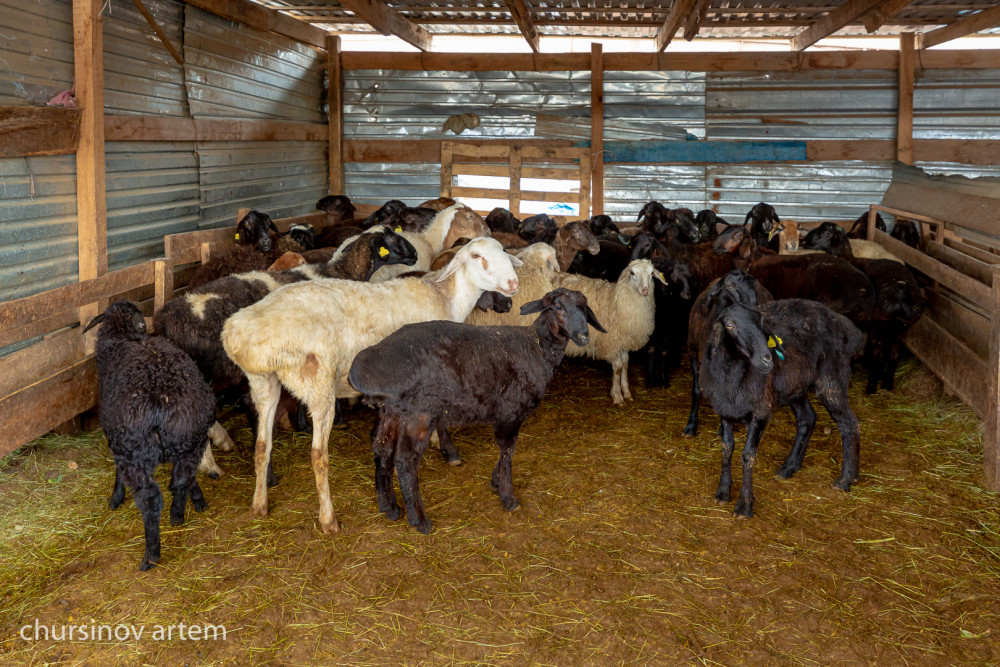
(703, 151)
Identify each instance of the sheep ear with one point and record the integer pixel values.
(659, 276)
(716, 333)
(94, 322)
(535, 306)
(138, 323)
(747, 219)
(515, 261)
(458, 260)
(592, 320)
(272, 227)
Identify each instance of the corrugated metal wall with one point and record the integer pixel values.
(412, 182)
(957, 104)
(661, 105)
(36, 50)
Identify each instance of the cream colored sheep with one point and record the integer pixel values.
(535, 281)
(790, 236)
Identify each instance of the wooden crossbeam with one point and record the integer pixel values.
(988, 18)
(832, 22)
(678, 13)
(262, 18)
(693, 21)
(519, 12)
(875, 17)
(385, 19)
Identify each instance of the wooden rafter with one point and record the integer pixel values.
(385, 19)
(693, 22)
(678, 13)
(832, 22)
(875, 17)
(988, 18)
(519, 12)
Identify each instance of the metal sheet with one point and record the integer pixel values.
(628, 187)
(382, 104)
(377, 183)
(653, 105)
(152, 191)
(36, 50)
(238, 72)
(956, 104)
(38, 247)
(281, 178)
(140, 75)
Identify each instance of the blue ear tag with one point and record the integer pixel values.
(774, 342)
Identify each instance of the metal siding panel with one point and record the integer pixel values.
(377, 183)
(36, 50)
(152, 191)
(38, 246)
(653, 105)
(140, 75)
(628, 187)
(956, 104)
(281, 178)
(238, 72)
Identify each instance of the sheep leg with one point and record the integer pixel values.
(501, 480)
(301, 418)
(805, 421)
(322, 423)
(207, 464)
(744, 506)
(616, 387)
(836, 404)
(149, 501)
(413, 442)
(118, 492)
(338, 414)
(691, 429)
(220, 437)
(626, 392)
(723, 494)
(874, 357)
(197, 497)
(266, 392)
(448, 450)
(385, 434)
(181, 478)
(892, 359)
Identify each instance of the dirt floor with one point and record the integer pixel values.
(617, 555)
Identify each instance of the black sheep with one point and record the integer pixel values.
(859, 230)
(384, 214)
(757, 360)
(260, 245)
(673, 303)
(898, 303)
(669, 224)
(539, 228)
(337, 208)
(304, 235)
(441, 374)
(707, 222)
(602, 224)
(764, 226)
(907, 232)
(502, 220)
(154, 408)
(735, 287)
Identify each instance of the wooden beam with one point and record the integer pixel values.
(678, 13)
(262, 18)
(693, 21)
(991, 438)
(875, 17)
(335, 114)
(904, 105)
(156, 128)
(958, 367)
(967, 25)
(383, 18)
(91, 204)
(597, 127)
(159, 31)
(522, 17)
(26, 131)
(832, 22)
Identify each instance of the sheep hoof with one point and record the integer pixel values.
(393, 513)
(690, 431)
(618, 402)
(426, 527)
(455, 462)
(721, 497)
(177, 520)
(843, 484)
(200, 505)
(331, 528)
(785, 471)
(742, 511)
(114, 502)
(258, 510)
(215, 474)
(146, 565)
(510, 504)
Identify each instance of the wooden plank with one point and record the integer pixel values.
(447, 177)
(480, 151)
(335, 107)
(692, 24)
(159, 31)
(972, 251)
(57, 351)
(24, 311)
(904, 107)
(383, 18)
(967, 25)
(976, 213)
(679, 11)
(966, 286)
(536, 152)
(991, 437)
(27, 131)
(825, 150)
(522, 17)
(833, 21)
(40, 407)
(968, 326)
(424, 150)
(526, 195)
(597, 126)
(256, 16)
(554, 173)
(163, 283)
(981, 271)
(958, 367)
(515, 181)
(39, 327)
(585, 178)
(875, 17)
(755, 61)
(907, 214)
(154, 128)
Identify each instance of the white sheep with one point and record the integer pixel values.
(626, 308)
(305, 336)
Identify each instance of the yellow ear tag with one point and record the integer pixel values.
(383, 252)
(398, 230)
(237, 236)
(662, 277)
(774, 341)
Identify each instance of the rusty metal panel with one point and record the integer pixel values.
(38, 246)
(36, 50)
(140, 75)
(152, 191)
(238, 72)
(281, 178)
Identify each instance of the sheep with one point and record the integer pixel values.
(539, 228)
(304, 235)
(606, 264)
(502, 220)
(338, 208)
(757, 360)
(383, 215)
(601, 225)
(571, 239)
(735, 287)
(627, 306)
(764, 225)
(154, 408)
(907, 232)
(331, 237)
(510, 241)
(305, 336)
(708, 224)
(789, 243)
(534, 277)
(439, 204)
(898, 303)
(436, 375)
(672, 305)
(859, 230)
(260, 245)
(660, 221)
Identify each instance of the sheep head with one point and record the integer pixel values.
(741, 330)
(486, 265)
(567, 314)
(258, 230)
(337, 208)
(466, 223)
(639, 274)
(122, 319)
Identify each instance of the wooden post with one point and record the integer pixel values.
(447, 175)
(91, 209)
(991, 439)
(585, 172)
(904, 121)
(597, 126)
(335, 109)
(515, 181)
(206, 250)
(163, 283)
